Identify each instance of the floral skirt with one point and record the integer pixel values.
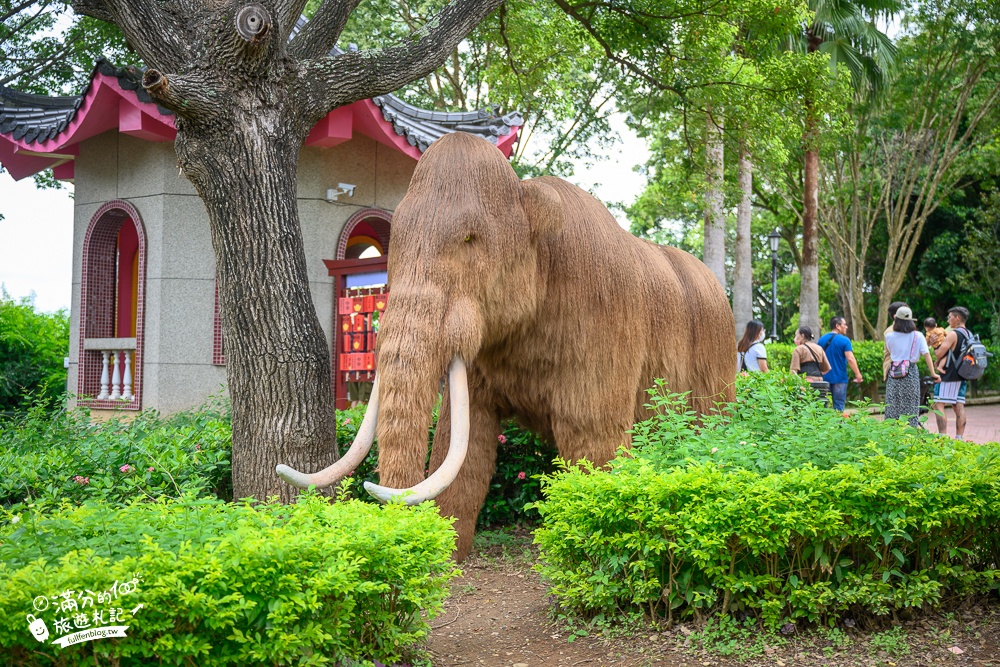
(902, 397)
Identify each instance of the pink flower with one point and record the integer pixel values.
(126, 468)
(150, 469)
(81, 480)
(521, 475)
(502, 438)
(197, 448)
(347, 421)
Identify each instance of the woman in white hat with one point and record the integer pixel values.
(902, 386)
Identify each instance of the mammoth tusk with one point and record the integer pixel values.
(439, 480)
(349, 462)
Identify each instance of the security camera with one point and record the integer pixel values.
(341, 189)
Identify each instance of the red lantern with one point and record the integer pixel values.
(380, 301)
(368, 303)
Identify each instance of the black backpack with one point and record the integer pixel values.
(972, 358)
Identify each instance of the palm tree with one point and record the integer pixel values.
(846, 31)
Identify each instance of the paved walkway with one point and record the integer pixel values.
(983, 423)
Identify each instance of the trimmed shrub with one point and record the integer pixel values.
(220, 584)
(755, 524)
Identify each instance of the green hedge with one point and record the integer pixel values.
(307, 584)
(831, 533)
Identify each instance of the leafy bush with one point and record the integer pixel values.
(65, 455)
(32, 348)
(767, 529)
(522, 458)
(221, 584)
(775, 424)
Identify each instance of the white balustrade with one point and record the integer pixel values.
(117, 360)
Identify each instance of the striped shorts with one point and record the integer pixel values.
(950, 393)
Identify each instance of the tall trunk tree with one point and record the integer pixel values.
(743, 272)
(847, 32)
(809, 294)
(714, 253)
(245, 97)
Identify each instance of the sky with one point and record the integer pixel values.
(36, 234)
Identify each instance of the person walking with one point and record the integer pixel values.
(893, 307)
(751, 356)
(951, 390)
(902, 386)
(840, 354)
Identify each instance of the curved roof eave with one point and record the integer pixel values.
(38, 132)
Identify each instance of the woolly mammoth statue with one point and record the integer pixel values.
(540, 307)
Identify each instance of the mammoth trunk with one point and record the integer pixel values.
(411, 368)
(277, 360)
(421, 339)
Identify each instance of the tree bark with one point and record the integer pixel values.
(277, 358)
(743, 272)
(809, 291)
(714, 253)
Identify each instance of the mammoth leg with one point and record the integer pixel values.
(464, 497)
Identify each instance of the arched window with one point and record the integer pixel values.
(365, 235)
(112, 296)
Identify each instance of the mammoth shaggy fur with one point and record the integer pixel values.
(563, 319)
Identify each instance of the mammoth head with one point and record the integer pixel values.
(470, 232)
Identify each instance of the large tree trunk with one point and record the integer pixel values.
(743, 273)
(809, 292)
(714, 253)
(277, 359)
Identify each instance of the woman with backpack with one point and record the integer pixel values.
(751, 357)
(905, 346)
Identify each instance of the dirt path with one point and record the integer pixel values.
(499, 616)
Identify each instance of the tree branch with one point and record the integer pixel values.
(320, 35)
(188, 97)
(330, 82)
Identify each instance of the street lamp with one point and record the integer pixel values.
(774, 238)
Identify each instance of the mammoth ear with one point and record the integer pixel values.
(543, 207)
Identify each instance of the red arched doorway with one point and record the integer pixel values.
(360, 294)
(112, 300)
